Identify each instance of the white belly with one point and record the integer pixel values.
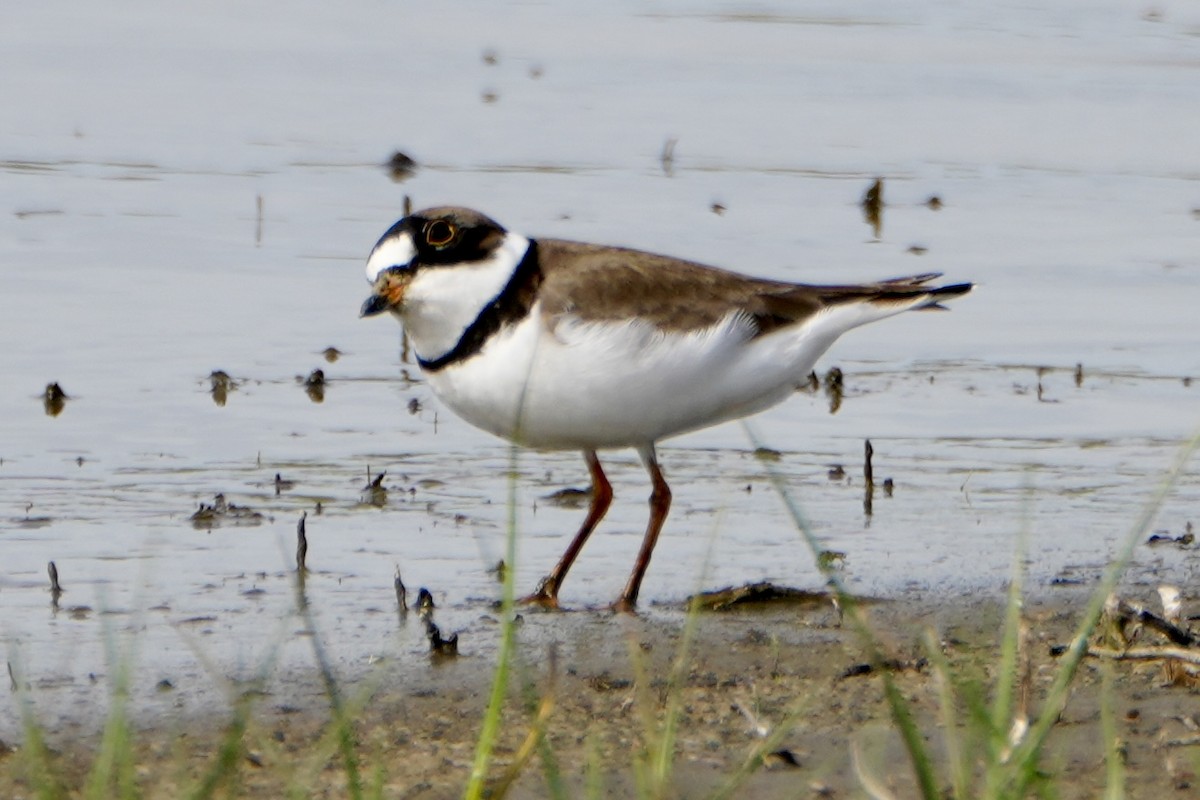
(604, 385)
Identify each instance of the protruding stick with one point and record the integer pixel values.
(301, 544)
(56, 590)
(869, 479)
(401, 592)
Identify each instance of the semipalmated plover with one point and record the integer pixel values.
(555, 344)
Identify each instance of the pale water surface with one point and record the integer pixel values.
(136, 144)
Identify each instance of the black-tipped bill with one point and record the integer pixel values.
(375, 304)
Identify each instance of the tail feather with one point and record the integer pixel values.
(895, 290)
(863, 302)
(940, 293)
(851, 306)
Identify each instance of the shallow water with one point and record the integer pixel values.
(134, 261)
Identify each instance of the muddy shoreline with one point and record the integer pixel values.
(748, 669)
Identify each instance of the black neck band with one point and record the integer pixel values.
(510, 305)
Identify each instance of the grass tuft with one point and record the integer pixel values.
(491, 720)
(1002, 739)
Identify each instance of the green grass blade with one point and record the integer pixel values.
(539, 709)
(1002, 706)
(491, 720)
(343, 729)
(35, 754)
(1024, 760)
(960, 768)
(593, 779)
(1114, 759)
(755, 760)
(112, 774)
(664, 755)
(224, 768)
(922, 762)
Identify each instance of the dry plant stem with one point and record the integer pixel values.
(525, 752)
(1147, 653)
(1183, 741)
(870, 784)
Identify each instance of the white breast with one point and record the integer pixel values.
(606, 385)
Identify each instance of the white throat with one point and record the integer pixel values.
(443, 301)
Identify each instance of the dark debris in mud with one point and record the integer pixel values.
(376, 494)
(314, 385)
(445, 647)
(282, 484)
(400, 166)
(889, 665)
(569, 497)
(220, 385)
(222, 512)
(872, 207)
(1182, 541)
(54, 399)
(1128, 631)
(757, 594)
(835, 388)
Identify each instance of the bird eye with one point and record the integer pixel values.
(439, 233)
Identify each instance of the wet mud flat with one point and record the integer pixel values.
(198, 591)
(214, 260)
(602, 684)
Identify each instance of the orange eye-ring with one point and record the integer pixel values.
(439, 233)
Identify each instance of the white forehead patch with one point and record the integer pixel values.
(394, 251)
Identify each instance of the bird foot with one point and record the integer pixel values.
(624, 606)
(545, 595)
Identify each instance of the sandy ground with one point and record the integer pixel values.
(770, 665)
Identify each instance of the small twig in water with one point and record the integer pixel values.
(869, 478)
(401, 592)
(301, 544)
(55, 589)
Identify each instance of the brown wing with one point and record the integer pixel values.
(600, 283)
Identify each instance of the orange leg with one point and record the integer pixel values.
(660, 504)
(546, 593)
